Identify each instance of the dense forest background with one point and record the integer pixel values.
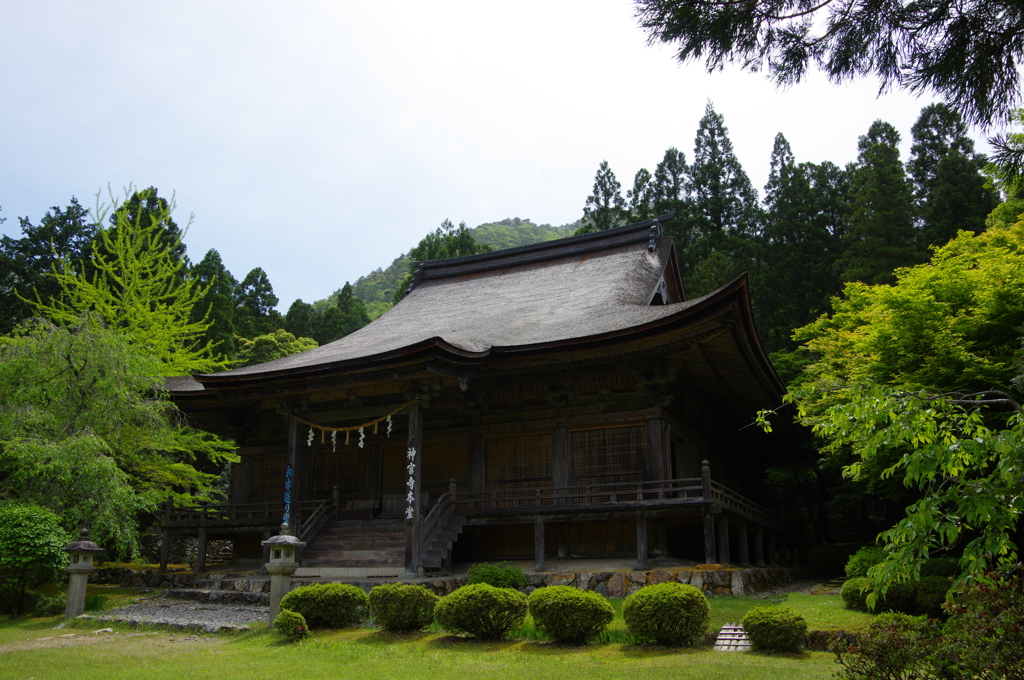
(814, 227)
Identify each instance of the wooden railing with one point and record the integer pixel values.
(546, 499)
(237, 514)
(309, 516)
(316, 519)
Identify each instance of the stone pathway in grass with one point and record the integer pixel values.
(732, 638)
(186, 614)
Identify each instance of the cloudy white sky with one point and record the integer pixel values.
(320, 139)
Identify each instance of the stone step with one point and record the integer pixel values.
(732, 638)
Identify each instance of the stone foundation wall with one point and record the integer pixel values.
(712, 582)
(184, 549)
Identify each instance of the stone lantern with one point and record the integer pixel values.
(79, 567)
(281, 566)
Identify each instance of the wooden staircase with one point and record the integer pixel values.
(355, 549)
(438, 551)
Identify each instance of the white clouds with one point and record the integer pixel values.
(320, 139)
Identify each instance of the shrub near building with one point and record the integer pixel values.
(328, 605)
(775, 629)
(482, 610)
(570, 615)
(399, 606)
(671, 614)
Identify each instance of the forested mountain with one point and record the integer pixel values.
(377, 289)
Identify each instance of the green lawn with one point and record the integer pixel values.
(359, 653)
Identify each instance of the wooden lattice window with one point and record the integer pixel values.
(609, 455)
(520, 462)
(443, 460)
(266, 479)
(345, 469)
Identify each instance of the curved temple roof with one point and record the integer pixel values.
(555, 293)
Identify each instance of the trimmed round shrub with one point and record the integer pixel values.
(500, 575)
(399, 606)
(899, 597)
(671, 614)
(862, 560)
(291, 624)
(328, 605)
(570, 615)
(481, 610)
(775, 629)
(855, 592)
(931, 594)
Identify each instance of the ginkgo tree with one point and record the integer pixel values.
(139, 285)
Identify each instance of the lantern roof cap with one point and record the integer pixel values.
(83, 544)
(284, 539)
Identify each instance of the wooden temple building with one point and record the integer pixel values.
(563, 398)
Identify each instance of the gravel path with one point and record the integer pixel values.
(185, 614)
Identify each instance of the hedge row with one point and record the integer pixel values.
(668, 613)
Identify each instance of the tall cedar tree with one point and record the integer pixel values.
(950, 190)
(444, 242)
(139, 286)
(26, 264)
(217, 305)
(254, 306)
(605, 208)
(672, 194)
(341, 319)
(641, 197)
(880, 233)
(796, 276)
(301, 319)
(726, 214)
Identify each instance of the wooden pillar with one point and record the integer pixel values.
(538, 543)
(414, 559)
(336, 500)
(759, 547)
(561, 459)
(657, 450)
(477, 464)
(709, 520)
(771, 550)
(723, 540)
(744, 545)
(201, 550)
(641, 541)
